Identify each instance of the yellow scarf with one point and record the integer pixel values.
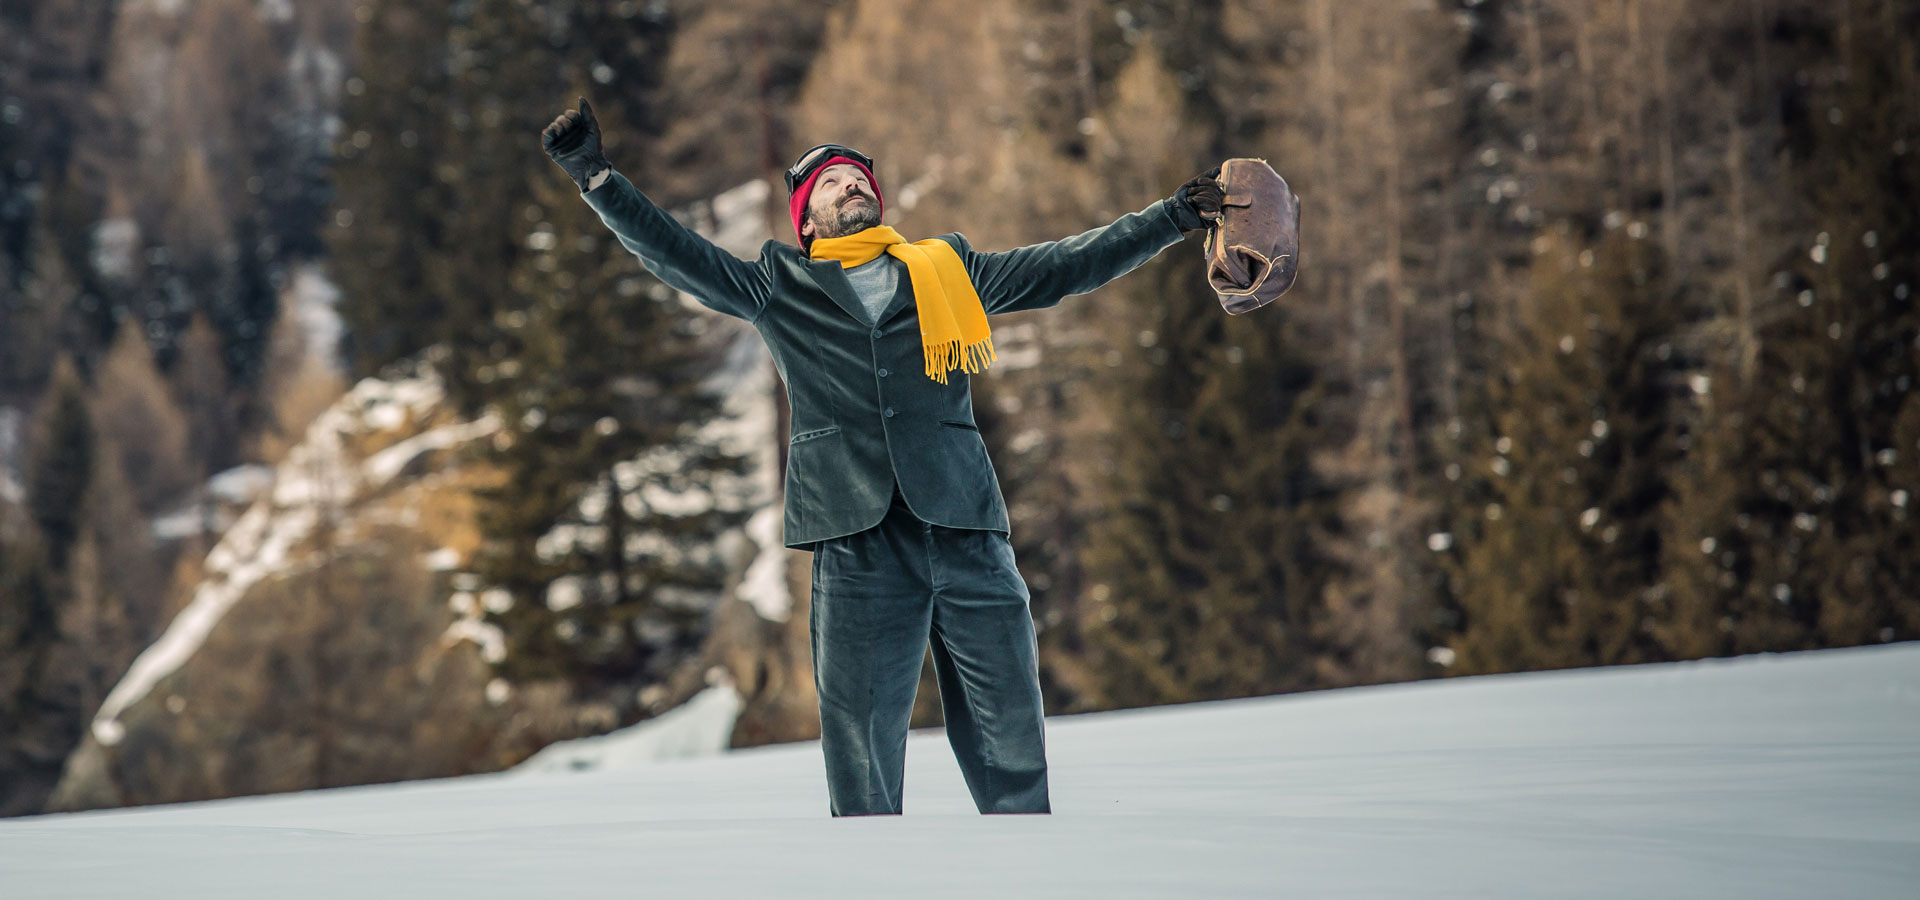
(953, 324)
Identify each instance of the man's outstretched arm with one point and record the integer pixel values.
(671, 251)
(1040, 275)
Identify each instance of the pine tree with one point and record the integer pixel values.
(1377, 164)
(606, 373)
(463, 242)
(442, 134)
(36, 315)
(1556, 527)
(126, 587)
(201, 389)
(28, 626)
(1696, 559)
(1204, 572)
(735, 69)
(65, 624)
(245, 313)
(134, 410)
(397, 184)
(1860, 176)
(61, 463)
(1811, 457)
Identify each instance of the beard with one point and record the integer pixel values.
(848, 218)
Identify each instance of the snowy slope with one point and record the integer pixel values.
(1773, 776)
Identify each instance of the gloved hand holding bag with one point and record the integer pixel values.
(1253, 249)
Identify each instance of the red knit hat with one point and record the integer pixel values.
(797, 204)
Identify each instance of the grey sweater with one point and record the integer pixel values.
(876, 283)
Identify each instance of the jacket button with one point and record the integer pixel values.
(883, 373)
(889, 412)
(876, 332)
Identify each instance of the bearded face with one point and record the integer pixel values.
(842, 203)
(853, 213)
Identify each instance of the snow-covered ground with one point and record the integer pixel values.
(1776, 776)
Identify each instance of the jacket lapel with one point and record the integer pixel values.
(831, 278)
(902, 296)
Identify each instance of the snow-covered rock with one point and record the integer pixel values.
(316, 481)
(315, 648)
(702, 726)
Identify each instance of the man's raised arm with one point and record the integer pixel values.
(671, 251)
(1040, 275)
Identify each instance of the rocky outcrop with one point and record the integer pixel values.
(335, 640)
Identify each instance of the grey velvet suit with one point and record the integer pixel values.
(865, 414)
(889, 484)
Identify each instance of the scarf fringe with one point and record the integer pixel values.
(949, 355)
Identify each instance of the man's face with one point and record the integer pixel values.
(842, 203)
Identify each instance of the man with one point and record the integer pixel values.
(888, 482)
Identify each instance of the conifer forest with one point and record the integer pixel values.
(1603, 351)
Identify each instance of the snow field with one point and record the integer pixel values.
(1771, 776)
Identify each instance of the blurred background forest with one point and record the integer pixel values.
(319, 378)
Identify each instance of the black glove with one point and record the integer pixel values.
(573, 140)
(1197, 203)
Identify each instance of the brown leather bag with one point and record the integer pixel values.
(1253, 251)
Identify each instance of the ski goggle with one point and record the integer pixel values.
(812, 159)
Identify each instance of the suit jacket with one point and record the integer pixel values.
(864, 413)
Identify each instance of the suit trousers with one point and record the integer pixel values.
(879, 596)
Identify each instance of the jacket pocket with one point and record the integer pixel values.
(816, 433)
(954, 423)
